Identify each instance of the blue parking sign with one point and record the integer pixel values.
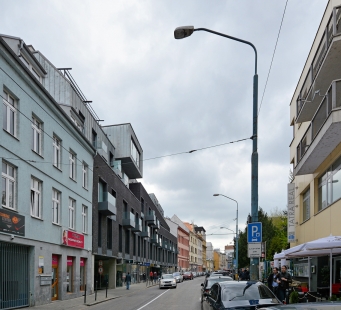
(254, 232)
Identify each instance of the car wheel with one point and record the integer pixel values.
(175, 286)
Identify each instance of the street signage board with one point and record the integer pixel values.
(254, 249)
(100, 270)
(254, 232)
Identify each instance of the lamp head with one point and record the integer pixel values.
(215, 194)
(183, 32)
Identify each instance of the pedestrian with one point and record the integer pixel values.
(128, 280)
(144, 277)
(155, 276)
(283, 283)
(241, 274)
(151, 275)
(247, 274)
(272, 281)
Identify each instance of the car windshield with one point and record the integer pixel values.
(187, 273)
(167, 276)
(176, 274)
(210, 282)
(236, 292)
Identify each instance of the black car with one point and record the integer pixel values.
(246, 295)
(205, 287)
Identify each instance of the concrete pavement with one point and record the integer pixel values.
(78, 303)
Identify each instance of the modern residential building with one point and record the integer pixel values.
(46, 212)
(315, 151)
(183, 242)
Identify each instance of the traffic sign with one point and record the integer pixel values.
(254, 232)
(100, 263)
(254, 250)
(100, 270)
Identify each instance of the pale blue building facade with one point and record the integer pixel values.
(46, 211)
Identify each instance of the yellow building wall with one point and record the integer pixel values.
(216, 260)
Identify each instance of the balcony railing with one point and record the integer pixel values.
(150, 217)
(307, 94)
(153, 238)
(128, 220)
(108, 206)
(145, 233)
(138, 225)
(330, 102)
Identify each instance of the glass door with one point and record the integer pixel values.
(54, 285)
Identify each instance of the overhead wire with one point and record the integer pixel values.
(273, 56)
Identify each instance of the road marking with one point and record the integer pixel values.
(152, 300)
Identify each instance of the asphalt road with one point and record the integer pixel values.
(185, 296)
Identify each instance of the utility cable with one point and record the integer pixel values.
(273, 56)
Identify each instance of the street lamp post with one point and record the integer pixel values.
(236, 228)
(186, 31)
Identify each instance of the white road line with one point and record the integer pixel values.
(152, 300)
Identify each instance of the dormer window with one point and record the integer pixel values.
(30, 67)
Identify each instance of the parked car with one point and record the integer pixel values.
(188, 275)
(316, 306)
(205, 287)
(178, 277)
(167, 280)
(243, 295)
(194, 274)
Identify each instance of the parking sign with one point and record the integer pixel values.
(254, 232)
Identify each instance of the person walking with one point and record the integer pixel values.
(283, 282)
(128, 280)
(155, 276)
(151, 275)
(247, 274)
(272, 281)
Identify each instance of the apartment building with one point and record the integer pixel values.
(315, 151)
(201, 233)
(183, 242)
(46, 212)
(209, 256)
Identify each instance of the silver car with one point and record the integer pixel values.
(178, 277)
(167, 280)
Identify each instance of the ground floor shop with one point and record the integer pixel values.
(37, 273)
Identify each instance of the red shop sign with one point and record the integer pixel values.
(69, 260)
(54, 260)
(73, 239)
(82, 262)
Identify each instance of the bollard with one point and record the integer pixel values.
(96, 291)
(106, 290)
(85, 295)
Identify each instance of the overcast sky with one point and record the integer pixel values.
(186, 94)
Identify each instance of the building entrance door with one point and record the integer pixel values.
(54, 281)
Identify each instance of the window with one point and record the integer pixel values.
(85, 175)
(135, 154)
(72, 163)
(72, 206)
(36, 130)
(56, 152)
(8, 186)
(9, 113)
(109, 233)
(84, 219)
(306, 205)
(94, 139)
(55, 207)
(329, 185)
(35, 198)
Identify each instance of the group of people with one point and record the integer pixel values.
(279, 282)
(244, 274)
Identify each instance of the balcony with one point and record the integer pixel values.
(138, 225)
(323, 134)
(157, 224)
(325, 67)
(128, 220)
(153, 239)
(150, 218)
(159, 243)
(145, 232)
(108, 206)
(165, 245)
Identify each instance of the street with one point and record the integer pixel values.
(185, 296)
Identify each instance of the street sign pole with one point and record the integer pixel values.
(254, 235)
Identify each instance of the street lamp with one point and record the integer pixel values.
(232, 230)
(186, 31)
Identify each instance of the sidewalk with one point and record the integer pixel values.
(78, 303)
